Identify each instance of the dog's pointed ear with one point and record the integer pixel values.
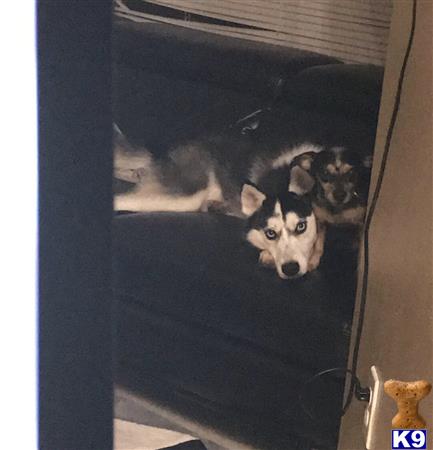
(251, 199)
(301, 181)
(304, 161)
(120, 141)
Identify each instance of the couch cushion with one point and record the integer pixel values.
(196, 268)
(197, 313)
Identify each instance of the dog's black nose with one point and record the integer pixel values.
(290, 269)
(339, 195)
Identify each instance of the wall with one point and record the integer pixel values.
(398, 324)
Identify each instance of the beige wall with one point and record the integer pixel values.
(398, 335)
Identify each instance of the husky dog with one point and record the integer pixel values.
(209, 176)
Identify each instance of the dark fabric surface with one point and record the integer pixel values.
(172, 84)
(196, 312)
(210, 58)
(352, 90)
(207, 261)
(159, 112)
(195, 110)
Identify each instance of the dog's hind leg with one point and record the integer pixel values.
(128, 202)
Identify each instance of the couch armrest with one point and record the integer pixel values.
(352, 90)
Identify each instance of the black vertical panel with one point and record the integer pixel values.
(74, 69)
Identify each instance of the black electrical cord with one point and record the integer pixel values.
(362, 394)
(356, 389)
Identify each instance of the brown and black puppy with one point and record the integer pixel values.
(340, 191)
(340, 181)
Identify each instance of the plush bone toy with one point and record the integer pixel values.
(407, 397)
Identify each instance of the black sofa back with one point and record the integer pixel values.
(173, 84)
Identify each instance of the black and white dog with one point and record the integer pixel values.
(209, 176)
(287, 199)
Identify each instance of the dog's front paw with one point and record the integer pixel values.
(266, 259)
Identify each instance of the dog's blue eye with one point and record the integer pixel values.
(270, 234)
(301, 227)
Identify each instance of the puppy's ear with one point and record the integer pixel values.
(251, 199)
(301, 178)
(301, 181)
(304, 161)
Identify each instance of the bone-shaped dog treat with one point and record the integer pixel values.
(407, 397)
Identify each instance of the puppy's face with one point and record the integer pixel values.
(340, 177)
(283, 226)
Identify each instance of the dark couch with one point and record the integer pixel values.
(202, 330)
